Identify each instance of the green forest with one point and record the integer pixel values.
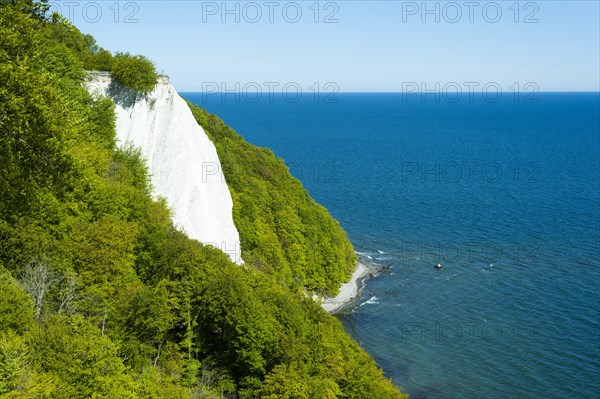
(102, 297)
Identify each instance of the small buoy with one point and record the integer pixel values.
(438, 266)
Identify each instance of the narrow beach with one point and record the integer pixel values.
(348, 291)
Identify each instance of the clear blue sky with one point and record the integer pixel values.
(373, 46)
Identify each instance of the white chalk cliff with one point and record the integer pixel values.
(182, 161)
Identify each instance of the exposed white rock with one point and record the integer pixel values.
(182, 161)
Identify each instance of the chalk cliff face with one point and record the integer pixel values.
(182, 161)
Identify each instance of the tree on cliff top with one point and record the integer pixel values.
(135, 72)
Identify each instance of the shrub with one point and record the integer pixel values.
(100, 61)
(134, 72)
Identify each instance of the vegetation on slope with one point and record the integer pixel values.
(284, 232)
(100, 295)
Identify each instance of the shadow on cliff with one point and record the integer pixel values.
(123, 95)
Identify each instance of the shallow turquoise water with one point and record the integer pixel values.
(506, 195)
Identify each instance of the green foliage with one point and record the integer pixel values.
(86, 363)
(283, 231)
(285, 382)
(134, 72)
(100, 61)
(18, 378)
(83, 47)
(103, 297)
(35, 9)
(13, 355)
(16, 309)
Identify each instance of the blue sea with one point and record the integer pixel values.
(505, 195)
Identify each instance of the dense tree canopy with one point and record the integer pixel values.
(100, 295)
(284, 232)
